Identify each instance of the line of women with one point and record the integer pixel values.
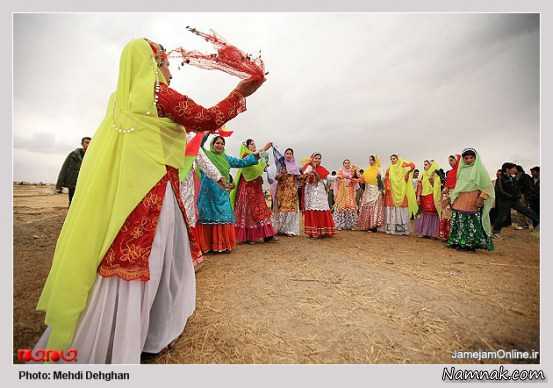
(454, 209)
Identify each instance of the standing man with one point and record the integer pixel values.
(70, 169)
(534, 195)
(508, 196)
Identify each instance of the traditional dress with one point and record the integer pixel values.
(253, 216)
(122, 280)
(216, 217)
(190, 191)
(471, 200)
(430, 205)
(449, 185)
(286, 204)
(371, 213)
(400, 199)
(317, 218)
(345, 207)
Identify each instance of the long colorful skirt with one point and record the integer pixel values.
(345, 219)
(467, 232)
(371, 213)
(396, 220)
(428, 224)
(216, 237)
(253, 217)
(287, 223)
(318, 223)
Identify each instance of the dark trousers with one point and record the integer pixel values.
(534, 204)
(503, 210)
(71, 194)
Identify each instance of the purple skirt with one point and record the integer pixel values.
(428, 224)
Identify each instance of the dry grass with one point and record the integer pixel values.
(356, 298)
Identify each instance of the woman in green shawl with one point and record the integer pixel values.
(471, 201)
(253, 216)
(122, 280)
(216, 218)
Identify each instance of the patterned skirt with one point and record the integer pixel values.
(253, 217)
(318, 223)
(467, 232)
(371, 213)
(345, 218)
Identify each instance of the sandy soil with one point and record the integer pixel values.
(355, 298)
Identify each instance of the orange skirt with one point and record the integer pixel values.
(216, 237)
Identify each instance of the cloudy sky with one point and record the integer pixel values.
(346, 85)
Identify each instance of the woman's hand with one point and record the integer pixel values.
(248, 86)
(267, 146)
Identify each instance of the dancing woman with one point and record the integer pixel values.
(216, 217)
(400, 199)
(253, 216)
(429, 201)
(286, 211)
(122, 280)
(449, 185)
(345, 189)
(317, 218)
(471, 201)
(371, 213)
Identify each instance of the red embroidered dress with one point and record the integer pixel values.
(127, 258)
(253, 217)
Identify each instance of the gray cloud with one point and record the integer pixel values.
(347, 85)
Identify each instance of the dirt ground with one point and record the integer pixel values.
(355, 298)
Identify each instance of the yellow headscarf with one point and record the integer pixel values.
(435, 189)
(401, 188)
(126, 158)
(371, 172)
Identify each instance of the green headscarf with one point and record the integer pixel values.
(126, 158)
(248, 173)
(473, 177)
(219, 159)
(434, 189)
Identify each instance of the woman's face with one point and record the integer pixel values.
(393, 158)
(371, 161)
(164, 68)
(452, 162)
(219, 145)
(289, 155)
(469, 159)
(426, 164)
(347, 164)
(251, 146)
(317, 160)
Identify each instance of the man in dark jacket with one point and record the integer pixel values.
(70, 169)
(508, 196)
(534, 194)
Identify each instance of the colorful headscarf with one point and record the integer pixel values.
(434, 189)
(451, 176)
(219, 159)
(371, 172)
(402, 189)
(475, 177)
(252, 172)
(321, 171)
(282, 162)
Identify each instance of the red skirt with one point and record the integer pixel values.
(253, 217)
(318, 223)
(197, 255)
(216, 237)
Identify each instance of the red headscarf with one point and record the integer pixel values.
(451, 175)
(323, 172)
